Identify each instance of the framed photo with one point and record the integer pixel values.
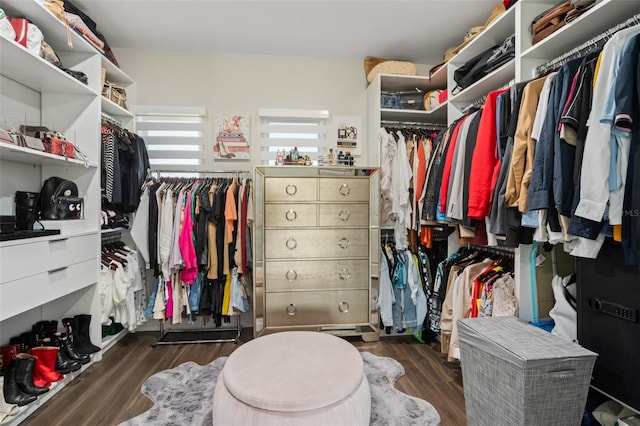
(347, 134)
(231, 137)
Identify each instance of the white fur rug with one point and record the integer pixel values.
(183, 395)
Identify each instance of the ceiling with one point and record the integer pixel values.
(412, 30)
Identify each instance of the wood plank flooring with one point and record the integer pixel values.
(109, 391)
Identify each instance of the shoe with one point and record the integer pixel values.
(6, 410)
(81, 335)
(224, 152)
(24, 375)
(13, 394)
(44, 369)
(66, 346)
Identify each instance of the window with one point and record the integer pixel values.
(175, 136)
(286, 130)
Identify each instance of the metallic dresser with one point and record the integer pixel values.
(316, 235)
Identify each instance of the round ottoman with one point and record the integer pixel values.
(293, 378)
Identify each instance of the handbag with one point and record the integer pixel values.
(28, 141)
(6, 137)
(116, 94)
(59, 200)
(550, 20)
(411, 100)
(65, 208)
(58, 146)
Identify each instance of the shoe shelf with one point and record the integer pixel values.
(27, 410)
(109, 341)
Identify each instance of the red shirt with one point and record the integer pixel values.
(485, 164)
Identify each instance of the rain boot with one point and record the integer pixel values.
(24, 375)
(11, 391)
(44, 369)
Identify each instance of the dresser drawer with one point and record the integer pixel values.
(317, 308)
(316, 243)
(290, 215)
(317, 275)
(31, 258)
(27, 293)
(290, 189)
(333, 215)
(344, 189)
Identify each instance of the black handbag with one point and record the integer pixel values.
(484, 63)
(411, 100)
(59, 200)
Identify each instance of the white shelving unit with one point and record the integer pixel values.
(53, 277)
(516, 20)
(377, 115)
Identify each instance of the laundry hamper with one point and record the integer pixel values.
(515, 374)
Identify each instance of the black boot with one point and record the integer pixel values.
(64, 364)
(45, 331)
(70, 351)
(81, 337)
(13, 394)
(26, 341)
(24, 374)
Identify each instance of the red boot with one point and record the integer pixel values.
(44, 370)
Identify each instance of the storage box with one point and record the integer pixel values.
(517, 374)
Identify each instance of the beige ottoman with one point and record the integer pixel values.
(293, 378)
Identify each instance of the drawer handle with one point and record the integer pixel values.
(291, 243)
(344, 215)
(343, 307)
(344, 243)
(344, 189)
(291, 189)
(291, 215)
(59, 240)
(291, 275)
(53, 271)
(291, 309)
(344, 274)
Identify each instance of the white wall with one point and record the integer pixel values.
(226, 83)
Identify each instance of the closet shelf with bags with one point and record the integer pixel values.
(601, 16)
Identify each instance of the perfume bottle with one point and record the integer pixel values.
(279, 158)
(331, 157)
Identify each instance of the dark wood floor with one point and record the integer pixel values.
(109, 391)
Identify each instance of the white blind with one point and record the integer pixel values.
(286, 130)
(175, 136)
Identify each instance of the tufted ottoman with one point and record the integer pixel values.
(293, 378)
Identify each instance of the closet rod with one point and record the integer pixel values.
(492, 249)
(109, 119)
(111, 237)
(413, 124)
(238, 173)
(587, 46)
